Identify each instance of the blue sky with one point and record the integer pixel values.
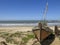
(29, 9)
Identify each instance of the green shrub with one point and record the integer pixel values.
(26, 39)
(9, 40)
(4, 34)
(30, 36)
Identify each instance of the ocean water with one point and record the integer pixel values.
(27, 24)
(53, 24)
(18, 24)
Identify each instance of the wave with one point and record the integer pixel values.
(26, 24)
(20, 24)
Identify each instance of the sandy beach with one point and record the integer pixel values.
(25, 29)
(18, 28)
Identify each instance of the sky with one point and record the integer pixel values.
(29, 9)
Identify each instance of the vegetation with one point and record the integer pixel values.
(9, 37)
(16, 34)
(26, 39)
(4, 34)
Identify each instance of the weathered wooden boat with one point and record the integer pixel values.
(44, 34)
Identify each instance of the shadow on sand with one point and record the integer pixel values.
(48, 40)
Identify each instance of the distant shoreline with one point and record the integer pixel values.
(28, 21)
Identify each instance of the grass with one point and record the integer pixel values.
(16, 34)
(9, 37)
(4, 34)
(31, 36)
(26, 39)
(9, 40)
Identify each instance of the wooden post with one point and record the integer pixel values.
(56, 30)
(40, 27)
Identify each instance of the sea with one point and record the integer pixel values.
(25, 23)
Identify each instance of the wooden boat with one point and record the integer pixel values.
(43, 34)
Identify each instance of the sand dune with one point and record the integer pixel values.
(26, 28)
